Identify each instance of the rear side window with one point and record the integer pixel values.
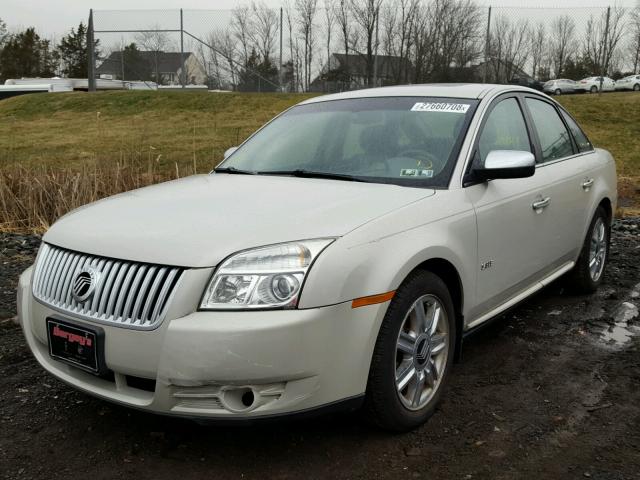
(555, 141)
(504, 129)
(584, 145)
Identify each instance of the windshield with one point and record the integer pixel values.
(411, 141)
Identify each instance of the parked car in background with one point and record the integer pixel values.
(525, 81)
(632, 82)
(337, 258)
(560, 86)
(592, 84)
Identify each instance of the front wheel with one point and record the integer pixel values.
(589, 270)
(413, 354)
(558, 91)
(636, 87)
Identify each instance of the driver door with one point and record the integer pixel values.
(511, 232)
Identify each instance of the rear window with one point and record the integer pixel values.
(584, 145)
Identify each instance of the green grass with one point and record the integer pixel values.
(171, 128)
(141, 137)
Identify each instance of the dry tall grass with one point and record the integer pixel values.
(31, 199)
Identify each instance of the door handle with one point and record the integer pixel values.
(539, 205)
(586, 185)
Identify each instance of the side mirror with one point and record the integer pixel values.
(229, 151)
(506, 164)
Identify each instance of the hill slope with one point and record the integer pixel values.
(60, 151)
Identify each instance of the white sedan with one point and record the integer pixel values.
(595, 84)
(632, 82)
(336, 259)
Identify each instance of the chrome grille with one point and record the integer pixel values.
(127, 294)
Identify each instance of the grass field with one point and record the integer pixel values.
(58, 151)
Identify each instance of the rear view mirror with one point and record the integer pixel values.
(506, 164)
(229, 151)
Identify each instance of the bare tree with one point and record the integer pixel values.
(329, 21)
(634, 44)
(366, 14)
(508, 47)
(448, 36)
(290, 19)
(306, 12)
(538, 50)
(155, 41)
(221, 57)
(241, 29)
(563, 44)
(399, 23)
(264, 29)
(343, 19)
(602, 38)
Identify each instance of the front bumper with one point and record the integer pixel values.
(222, 365)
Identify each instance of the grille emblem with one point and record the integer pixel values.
(84, 284)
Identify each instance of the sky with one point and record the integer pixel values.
(53, 18)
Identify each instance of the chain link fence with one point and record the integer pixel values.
(351, 44)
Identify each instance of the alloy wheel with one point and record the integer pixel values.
(598, 250)
(422, 350)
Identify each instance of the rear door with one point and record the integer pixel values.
(512, 233)
(567, 169)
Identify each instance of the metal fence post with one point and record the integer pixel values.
(486, 47)
(91, 55)
(603, 69)
(182, 71)
(280, 80)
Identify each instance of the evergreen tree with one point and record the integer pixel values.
(258, 75)
(73, 53)
(25, 54)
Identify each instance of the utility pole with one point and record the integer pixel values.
(182, 71)
(486, 48)
(91, 55)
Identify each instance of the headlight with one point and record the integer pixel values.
(265, 277)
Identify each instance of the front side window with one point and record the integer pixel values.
(411, 141)
(555, 141)
(504, 129)
(584, 145)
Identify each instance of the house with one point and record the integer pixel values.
(352, 71)
(164, 68)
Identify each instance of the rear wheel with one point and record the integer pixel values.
(636, 87)
(413, 354)
(594, 89)
(589, 270)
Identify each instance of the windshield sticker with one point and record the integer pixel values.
(416, 172)
(440, 107)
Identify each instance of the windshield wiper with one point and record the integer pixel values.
(234, 170)
(311, 174)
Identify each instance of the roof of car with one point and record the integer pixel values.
(451, 90)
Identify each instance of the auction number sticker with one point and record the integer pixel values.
(440, 107)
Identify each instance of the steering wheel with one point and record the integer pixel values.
(422, 158)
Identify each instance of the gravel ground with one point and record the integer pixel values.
(548, 391)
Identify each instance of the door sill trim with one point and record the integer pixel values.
(522, 295)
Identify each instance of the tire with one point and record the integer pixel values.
(584, 278)
(387, 405)
(636, 87)
(594, 89)
(558, 92)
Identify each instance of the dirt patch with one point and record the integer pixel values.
(545, 392)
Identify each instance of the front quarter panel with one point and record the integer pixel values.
(377, 257)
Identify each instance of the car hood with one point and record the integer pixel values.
(198, 221)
